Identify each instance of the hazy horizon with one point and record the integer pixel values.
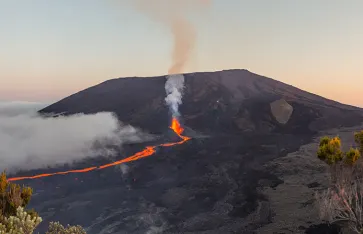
(54, 49)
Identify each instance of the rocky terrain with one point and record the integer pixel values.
(250, 167)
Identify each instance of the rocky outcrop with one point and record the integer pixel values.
(281, 110)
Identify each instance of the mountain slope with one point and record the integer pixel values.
(231, 101)
(216, 184)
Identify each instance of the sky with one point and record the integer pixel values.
(51, 49)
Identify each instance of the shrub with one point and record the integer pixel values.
(342, 202)
(343, 205)
(22, 223)
(330, 150)
(56, 228)
(352, 157)
(358, 138)
(13, 217)
(12, 196)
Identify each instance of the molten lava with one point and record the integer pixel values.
(148, 151)
(178, 130)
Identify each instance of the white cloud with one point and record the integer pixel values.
(29, 141)
(17, 108)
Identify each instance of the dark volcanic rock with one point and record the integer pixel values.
(323, 229)
(178, 190)
(210, 184)
(230, 102)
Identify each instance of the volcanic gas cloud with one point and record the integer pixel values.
(174, 15)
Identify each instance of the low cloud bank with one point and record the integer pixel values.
(29, 141)
(18, 108)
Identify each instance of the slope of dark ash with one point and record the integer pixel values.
(230, 102)
(200, 186)
(212, 184)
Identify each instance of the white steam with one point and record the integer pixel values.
(124, 169)
(174, 87)
(29, 141)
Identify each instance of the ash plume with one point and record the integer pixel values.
(174, 90)
(29, 141)
(173, 14)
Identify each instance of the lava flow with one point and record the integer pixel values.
(148, 151)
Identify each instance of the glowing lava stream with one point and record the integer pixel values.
(148, 151)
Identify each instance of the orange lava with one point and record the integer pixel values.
(175, 126)
(148, 151)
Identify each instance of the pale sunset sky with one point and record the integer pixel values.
(51, 49)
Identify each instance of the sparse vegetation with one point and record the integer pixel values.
(56, 227)
(358, 138)
(21, 223)
(330, 150)
(12, 196)
(342, 202)
(14, 219)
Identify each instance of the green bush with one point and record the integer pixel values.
(56, 227)
(330, 150)
(342, 202)
(14, 219)
(22, 223)
(358, 138)
(352, 157)
(12, 196)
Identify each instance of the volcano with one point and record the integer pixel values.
(249, 164)
(228, 102)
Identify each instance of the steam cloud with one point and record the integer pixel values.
(174, 90)
(29, 141)
(173, 14)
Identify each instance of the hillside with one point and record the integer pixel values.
(231, 101)
(256, 163)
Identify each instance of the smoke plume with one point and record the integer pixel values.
(29, 141)
(173, 14)
(174, 90)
